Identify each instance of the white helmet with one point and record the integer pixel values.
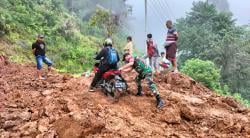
(108, 41)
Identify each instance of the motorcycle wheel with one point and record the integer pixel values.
(114, 92)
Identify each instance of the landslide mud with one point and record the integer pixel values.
(61, 106)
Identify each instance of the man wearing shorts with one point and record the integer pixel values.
(170, 45)
(39, 50)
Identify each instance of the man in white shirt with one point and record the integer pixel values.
(164, 63)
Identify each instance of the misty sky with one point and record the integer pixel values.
(178, 8)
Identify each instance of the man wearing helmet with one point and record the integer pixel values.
(144, 72)
(105, 65)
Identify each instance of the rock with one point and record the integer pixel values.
(247, 128)
(68, 128)
(185, 83)
(65, 108)
(190, 113)
(226, 122)
(25, 116)
(48, 110)
(41, 112)
(52, 119)
(28, 129)
(4, 134)
(72, 107)
(242, 109)
(9, 116)
(35, 115)
(11, 106)
(172, 116)
(43, 125)
(237, 128)
(47, 92)
(95, 128)
(80, 116)
(50, 134)
(174, 97)
(205, 129)
(27, 137)
(10, 124)
(230, 101)
(15, 135)
(40, 136)
(195, 101)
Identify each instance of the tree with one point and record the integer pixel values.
(202, 31)
(105, 20)
(204, 72)
(85, 8)
(221, 5)
(211, 35)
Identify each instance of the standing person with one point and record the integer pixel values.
(109, 58)
(144, 72)
(170, 45)
(129, 46)
(152, 52)
(39, 50)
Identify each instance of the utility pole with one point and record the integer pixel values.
(72, 9)
(146, 17)
(146, 22)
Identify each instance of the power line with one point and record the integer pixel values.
(169, 8)
(166, 9)
(146, 16)
(156, 14)
(159, 8)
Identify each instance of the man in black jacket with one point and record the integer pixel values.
(39, 50)
(105, 64)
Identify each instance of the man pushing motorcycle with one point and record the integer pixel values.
(109, 58)
(144, 72)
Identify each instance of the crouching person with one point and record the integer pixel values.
(144, 72)
(164, 63)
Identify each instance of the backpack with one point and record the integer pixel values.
(150, 48)
(112, 56)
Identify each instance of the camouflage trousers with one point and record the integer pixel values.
(151, 84)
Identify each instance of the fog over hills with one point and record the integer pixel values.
(161, 10)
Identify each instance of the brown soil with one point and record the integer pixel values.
(61, 106)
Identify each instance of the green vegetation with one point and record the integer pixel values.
(71, 40)
(209, 75)
(207, 34)
(203, 71)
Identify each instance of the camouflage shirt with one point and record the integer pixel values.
(141, 67)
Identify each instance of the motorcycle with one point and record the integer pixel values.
(112, 83)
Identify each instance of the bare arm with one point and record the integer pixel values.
(127, 69)
(34, 50)
(127, 66)
(176, 34)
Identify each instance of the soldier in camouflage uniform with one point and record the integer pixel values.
(144, 72)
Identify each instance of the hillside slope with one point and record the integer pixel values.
(61, 106)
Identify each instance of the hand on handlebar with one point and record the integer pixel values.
(120, 70)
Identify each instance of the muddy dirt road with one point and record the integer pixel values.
(61, 106)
